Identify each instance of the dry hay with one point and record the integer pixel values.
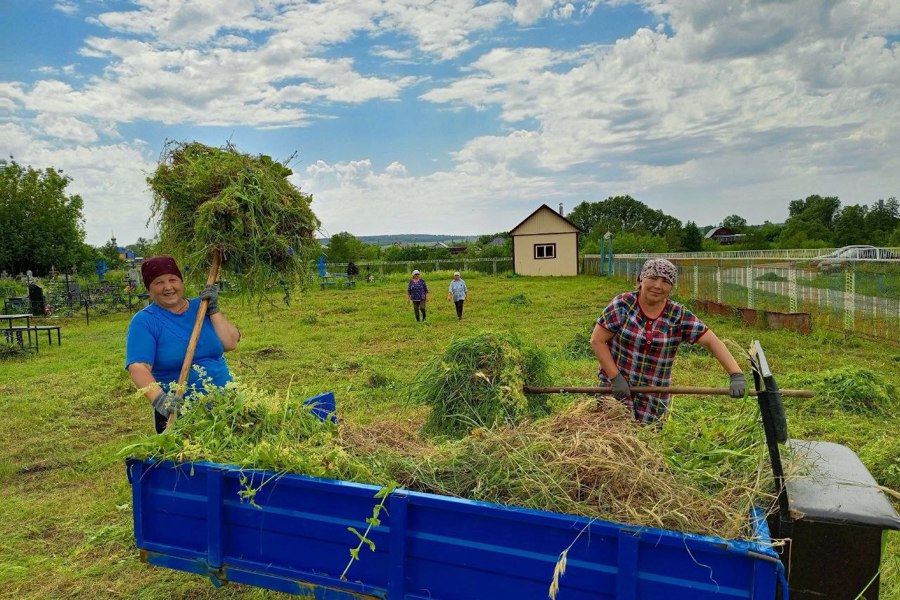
(589, 460)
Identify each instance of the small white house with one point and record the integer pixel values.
(545, 243)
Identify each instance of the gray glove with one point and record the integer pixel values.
(620, 387)
(166, 403)
(738, 386)
(211, 293)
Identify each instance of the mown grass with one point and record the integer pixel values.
(65, 512)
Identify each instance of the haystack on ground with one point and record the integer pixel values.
(477, 383)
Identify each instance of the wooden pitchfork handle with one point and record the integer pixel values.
(195, 334)
(653, 389)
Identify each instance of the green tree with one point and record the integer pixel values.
(619, 214)
(810, 222)
(40, 225)
(735, 222)
(143, 247)
(881, 220)
(691, 238)
(345, 247)
(850, 226)
(110, 253)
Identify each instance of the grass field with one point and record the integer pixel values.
(65, 512)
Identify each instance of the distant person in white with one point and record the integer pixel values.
(458, 294)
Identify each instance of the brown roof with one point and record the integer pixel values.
(512, 231)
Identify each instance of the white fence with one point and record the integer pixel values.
(857, 296)
(491, 266)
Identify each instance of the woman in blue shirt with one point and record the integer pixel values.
(158, 337)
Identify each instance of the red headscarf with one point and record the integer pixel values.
(159, 265)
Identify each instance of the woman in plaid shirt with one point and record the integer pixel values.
(638, 334)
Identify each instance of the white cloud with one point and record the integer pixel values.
(67, 7)
(66, 128)
(109, 178)
(668, 111)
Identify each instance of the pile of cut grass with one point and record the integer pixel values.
(851, 389)
(595, 461)
(218, 199)
(587, 459)
(478, 383)
(249, 428)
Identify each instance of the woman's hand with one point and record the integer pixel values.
(211, 294)
(737, 386)
(621, 389)
(166, 403)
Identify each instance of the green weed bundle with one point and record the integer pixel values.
(250, 428)
(851, 389)
(477, 382)
(218, 199)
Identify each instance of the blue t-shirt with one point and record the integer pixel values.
(160, 338)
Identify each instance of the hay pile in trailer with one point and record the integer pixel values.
(219, 200)
(586, 459)
(477, 383)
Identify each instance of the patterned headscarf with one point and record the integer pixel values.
(659, 267)
(159, 265)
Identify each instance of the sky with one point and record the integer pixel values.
(461, 117)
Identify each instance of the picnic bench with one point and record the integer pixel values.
(16, 333)
(36, 328)
(330, 279)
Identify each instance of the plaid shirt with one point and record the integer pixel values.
(644, 348)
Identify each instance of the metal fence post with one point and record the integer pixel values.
(494, 263)
(749, 284)
(792, 287)
(719, 282)
(849, 298)
(696, 281)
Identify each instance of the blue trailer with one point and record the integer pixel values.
(428, 547)
(296, 537)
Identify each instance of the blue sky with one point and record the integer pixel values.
(462, 116)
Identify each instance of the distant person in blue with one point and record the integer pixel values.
(158, 338)
(417, 292)
(458, 294)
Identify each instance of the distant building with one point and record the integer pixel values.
(497, 241)
(545, 243)
(723, 235)
(458, 249)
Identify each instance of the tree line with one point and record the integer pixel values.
(42, 227)
(813, 222)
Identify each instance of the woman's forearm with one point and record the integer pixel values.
(599, 338)
(228, 334)
(144, 380)
(718, 349)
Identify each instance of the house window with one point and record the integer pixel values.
(544, 251)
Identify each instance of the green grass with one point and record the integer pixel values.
(65, 511)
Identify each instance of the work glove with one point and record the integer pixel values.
(166, 403)
(738, 386)
(620, 387)
(211, 293)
